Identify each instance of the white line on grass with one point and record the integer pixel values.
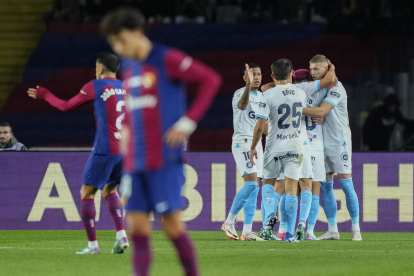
(30, 248)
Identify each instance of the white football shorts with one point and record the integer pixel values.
(338, 159)
(241, 154)
(287, 162)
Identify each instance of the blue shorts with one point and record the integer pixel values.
(158, 191)
(102, 169)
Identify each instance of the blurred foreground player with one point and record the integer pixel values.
(155, 128)
(103, 169)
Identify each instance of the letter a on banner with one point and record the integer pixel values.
(54, 177)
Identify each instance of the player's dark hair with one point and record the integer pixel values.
(4, 124)
(109, 61)
(127, 18)
(251, 65)
(281, 68)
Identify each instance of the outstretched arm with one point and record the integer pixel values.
(86, 94)
(184, 68)
(267, 86)
(322, 110)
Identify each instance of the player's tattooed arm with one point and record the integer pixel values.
(257, 134)
(322, 110)
(330, 78)
(244, 100)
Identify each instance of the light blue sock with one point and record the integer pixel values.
(314, 212)
(291, 209)
(249, 207)
(268, 200)
(263, 213)
(242, 196)
(352, 203)
(329, 201)
(305, 205)
(283, 224)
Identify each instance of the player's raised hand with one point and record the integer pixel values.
(318, 120)
(175, 138)
(32, 92)
(249, 75)
(253, 155)
(330, 64)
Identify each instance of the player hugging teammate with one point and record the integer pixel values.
(295, 153)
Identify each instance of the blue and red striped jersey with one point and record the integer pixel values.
(155, 100)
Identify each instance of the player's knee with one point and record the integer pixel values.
(107, 190)
(87, 191)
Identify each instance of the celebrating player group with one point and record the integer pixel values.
(304, 116)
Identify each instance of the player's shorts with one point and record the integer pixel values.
(158, 191)
(318, 166)
(287, 162)
(338, 159)
(241, 154)
(102, 169)
(306, 171)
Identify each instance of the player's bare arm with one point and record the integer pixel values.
(257, 134)
(324, 109)
(267, 86)
(244, 100)
(266, 130)
(318, 120)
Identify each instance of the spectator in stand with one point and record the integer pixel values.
(63, 10)
(256, 11)
(380, 124)
(190, 11)
(7, 141)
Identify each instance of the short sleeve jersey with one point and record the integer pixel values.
(336, 130)
(244, 121)
(315, 97)
(282, 106)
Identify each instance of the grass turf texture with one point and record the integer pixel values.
(53, 253)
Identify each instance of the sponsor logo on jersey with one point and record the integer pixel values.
(287, 137)
(249, 165)
(335, 94)
(147, 101)
(109, 92)
(262, 105)
(147, 80)
(344, 157)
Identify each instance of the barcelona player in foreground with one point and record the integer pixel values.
(156, 125)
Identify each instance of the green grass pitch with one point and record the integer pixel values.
(53, 253)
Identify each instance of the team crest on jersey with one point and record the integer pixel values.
(148, 79)
(335, 94)
(310, 101)
(262, 105)
(249, 165)
(344, 157)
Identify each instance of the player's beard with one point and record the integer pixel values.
(255, 88)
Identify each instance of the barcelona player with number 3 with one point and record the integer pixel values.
(155, 128)
(103, 168)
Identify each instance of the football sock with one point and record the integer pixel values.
(283, 224)
(268, 198)
(278, 197)
(93, 244)
(305, 206)
(329, 204)
(115, 208)
(247, 228)
(240, 199)
(352, 203)
(186, 254)
(249, 210)
(263, 213)
(291, 209)
(88, 219)
(313, 214)
(141, 256)
(120, 234)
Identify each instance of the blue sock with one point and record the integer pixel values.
(263, 214)
(242, 196)
(352, 203)
(249, 207)
(314, 212)
(268, 200)
(283, 224)
(291, 209)
(329, 201)
(305, 205)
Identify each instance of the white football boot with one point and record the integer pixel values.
(230, 231)
(252, 236)
(329, 236)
